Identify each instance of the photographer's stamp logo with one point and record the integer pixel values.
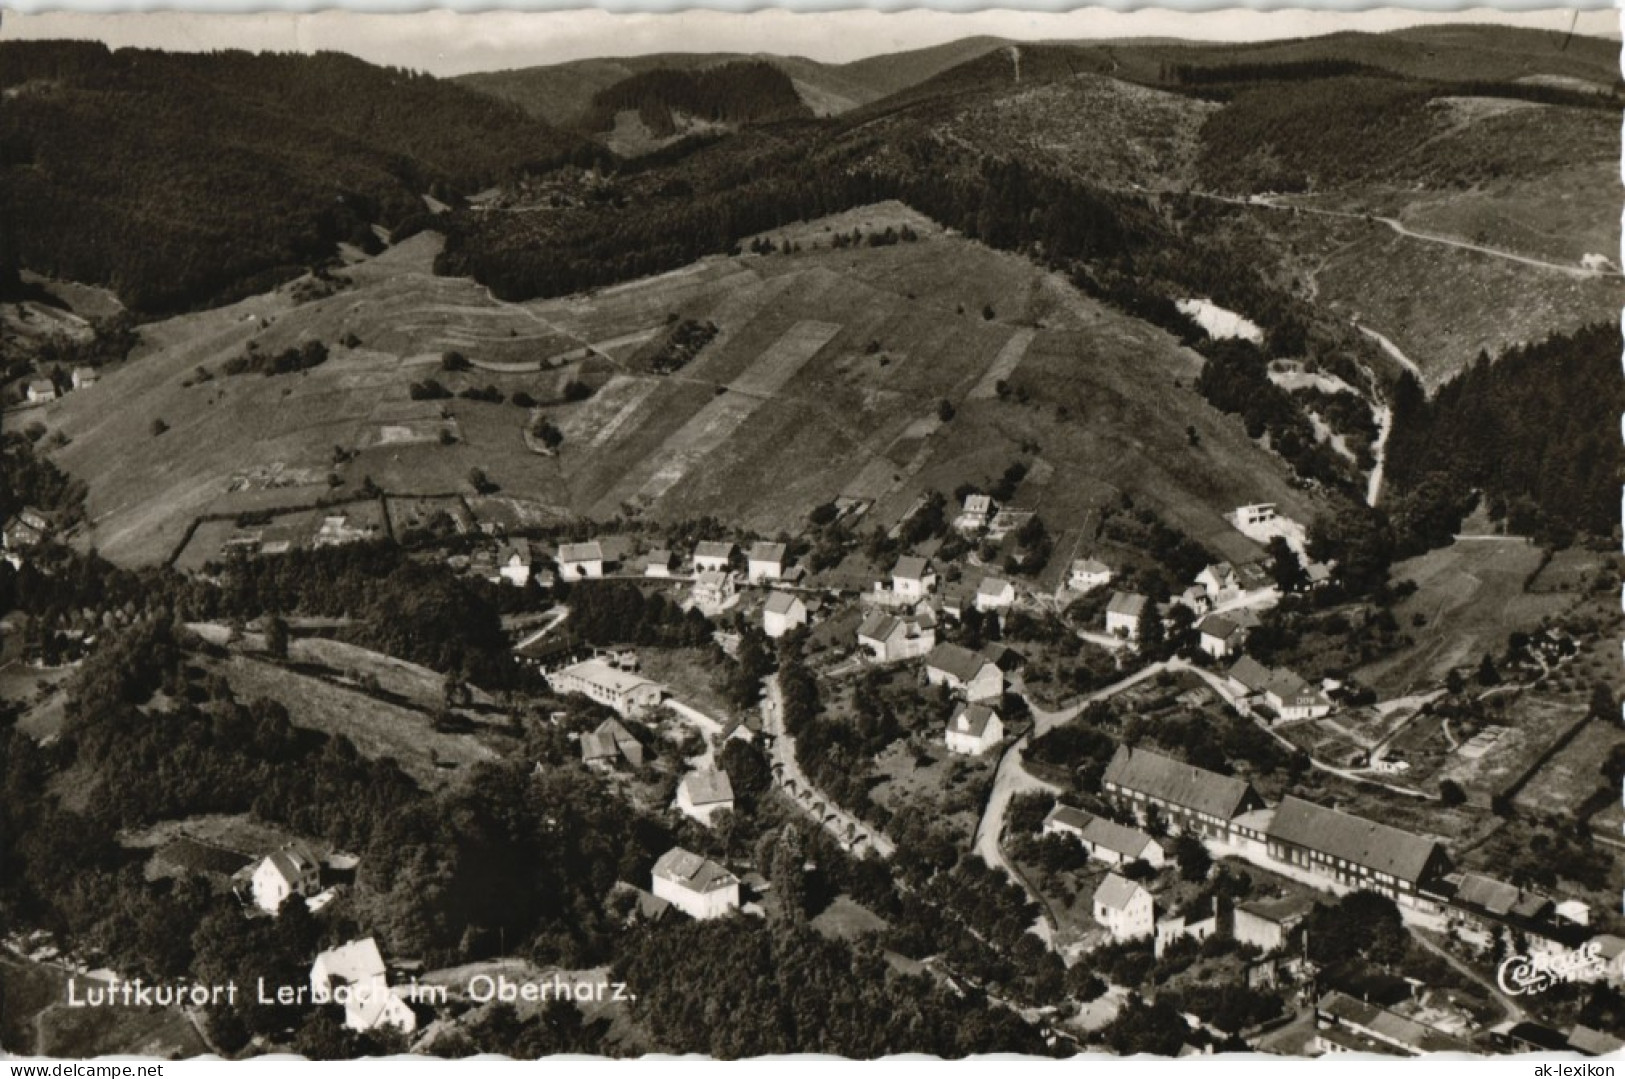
(1521, 975)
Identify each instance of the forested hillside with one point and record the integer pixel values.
(738, 93)
(184, 180)
(1536, 430)
(1289, 129)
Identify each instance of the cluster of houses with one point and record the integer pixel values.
(355, 977)
(1340, 852)
(41, 391)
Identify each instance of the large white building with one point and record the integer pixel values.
(995, 594)
(624, 691)
(697, 886)
(291, 871)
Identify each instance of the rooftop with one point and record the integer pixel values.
(911, 568)
(780, 603)
(1116, 892)
(973, 719)
(767, 552)
(1130, 604)
(958, 661)
(1068, 817)
(581, 552)
(1381, 848)
(709, 788)
(1119, 838)
(1178, 783)
(693, 872)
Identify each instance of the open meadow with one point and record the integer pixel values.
(864, 372)
(1469, 597)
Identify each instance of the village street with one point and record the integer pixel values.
(1011, 778)
(847, 829)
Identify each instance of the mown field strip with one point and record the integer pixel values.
(1004, 363)
(713, 424)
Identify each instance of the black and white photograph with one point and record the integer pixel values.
(1067, 534)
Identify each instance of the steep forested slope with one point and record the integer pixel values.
(1537, 431)
(184, 179)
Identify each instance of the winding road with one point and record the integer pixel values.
(847, 829)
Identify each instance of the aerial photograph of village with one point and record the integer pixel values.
(1082, 544)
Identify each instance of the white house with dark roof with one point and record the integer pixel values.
(1291, 698)
(1065, 820)
(765, 562)
(713, 556)
(1351, 853)
(1087, 574)
(1123, 614)
(975, 513)
(912, 579)
(610, 744)
(702, 794)
(694, 885)
(1219, 581)
(1196, 599)
(354, 976)
(580, 560)
(890, 638)
(1115, 844)
(291, 871)
(1124, 908)
(973, 729)
(782, 613)
(659, 563)
(85, 376)
(995, 594)
(964, 671)
(40, 391)
(1220, 637)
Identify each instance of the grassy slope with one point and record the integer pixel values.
(843, 423)
(1471, 596)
